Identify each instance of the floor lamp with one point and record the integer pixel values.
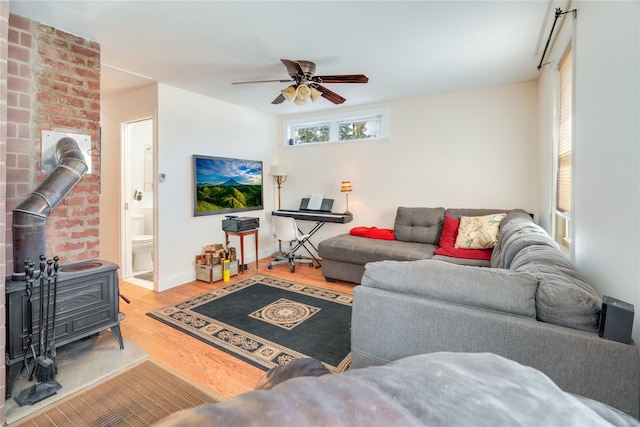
(279, 175)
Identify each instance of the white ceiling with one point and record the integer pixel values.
(406, 48)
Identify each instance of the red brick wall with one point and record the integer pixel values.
(4, 25)
(49, 80)
(53, 85)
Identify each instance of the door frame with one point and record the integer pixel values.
(126, 261)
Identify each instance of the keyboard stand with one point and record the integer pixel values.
(321, 219)
(303, 243)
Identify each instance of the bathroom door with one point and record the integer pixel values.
(137, 188)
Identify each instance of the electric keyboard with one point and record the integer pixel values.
(339, 218)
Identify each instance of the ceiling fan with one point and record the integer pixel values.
(307, 86)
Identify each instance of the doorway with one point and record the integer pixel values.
(138, 236)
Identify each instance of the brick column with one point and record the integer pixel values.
(4, 26)
(54, 85)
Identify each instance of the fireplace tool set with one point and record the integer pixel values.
(44, 360)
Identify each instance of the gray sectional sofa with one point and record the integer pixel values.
(417, 233)
(529, 304)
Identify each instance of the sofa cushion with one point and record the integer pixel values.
(448, 241)
(361, 250)
(461, 261)
(419, 225)
(479, 232)
(457, 213)
(563, 297)
(516, 216)
(435, 389)
(517, 236)
(492, 289)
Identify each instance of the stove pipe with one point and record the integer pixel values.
(30, 216)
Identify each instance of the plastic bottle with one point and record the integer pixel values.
(226, 270)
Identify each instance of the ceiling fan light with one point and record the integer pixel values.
(300, 101)
(289, 93)
(315, 94)
(303, 92)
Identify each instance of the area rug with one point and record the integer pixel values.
(139, 396)
(268, 322)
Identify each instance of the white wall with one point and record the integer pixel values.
(133, 105)
(474, 148)
(607, 151)
(189, 124)
(606, 178)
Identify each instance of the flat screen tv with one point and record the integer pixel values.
(224, 185)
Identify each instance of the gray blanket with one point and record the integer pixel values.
(437, 389)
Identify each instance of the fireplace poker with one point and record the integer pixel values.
(52, 349)
(29, 271)
(40, 311)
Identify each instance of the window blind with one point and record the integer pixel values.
(563, 191)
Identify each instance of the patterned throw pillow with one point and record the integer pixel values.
(479, 232)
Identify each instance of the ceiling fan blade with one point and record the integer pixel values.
(293, 67)
(343, 78)
(262, 81)
(330, 95)
(279, 99)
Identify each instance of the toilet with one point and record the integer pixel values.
(141, 245)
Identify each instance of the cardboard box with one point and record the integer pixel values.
(203, 272)
(216, 272)
(213, 273)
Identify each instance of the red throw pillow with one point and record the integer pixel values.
(373, 233)
(448, 243)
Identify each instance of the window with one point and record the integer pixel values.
(305, 134)
(564, 150)
(345, 127)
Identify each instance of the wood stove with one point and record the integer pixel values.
(87, 303)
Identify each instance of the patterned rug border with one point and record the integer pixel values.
(236, 341)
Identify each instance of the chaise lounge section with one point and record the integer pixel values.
(530, 305)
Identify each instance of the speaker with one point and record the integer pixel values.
(616, 320)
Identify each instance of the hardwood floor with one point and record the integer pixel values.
(214, 369)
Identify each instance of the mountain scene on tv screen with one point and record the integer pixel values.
(228, 185)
